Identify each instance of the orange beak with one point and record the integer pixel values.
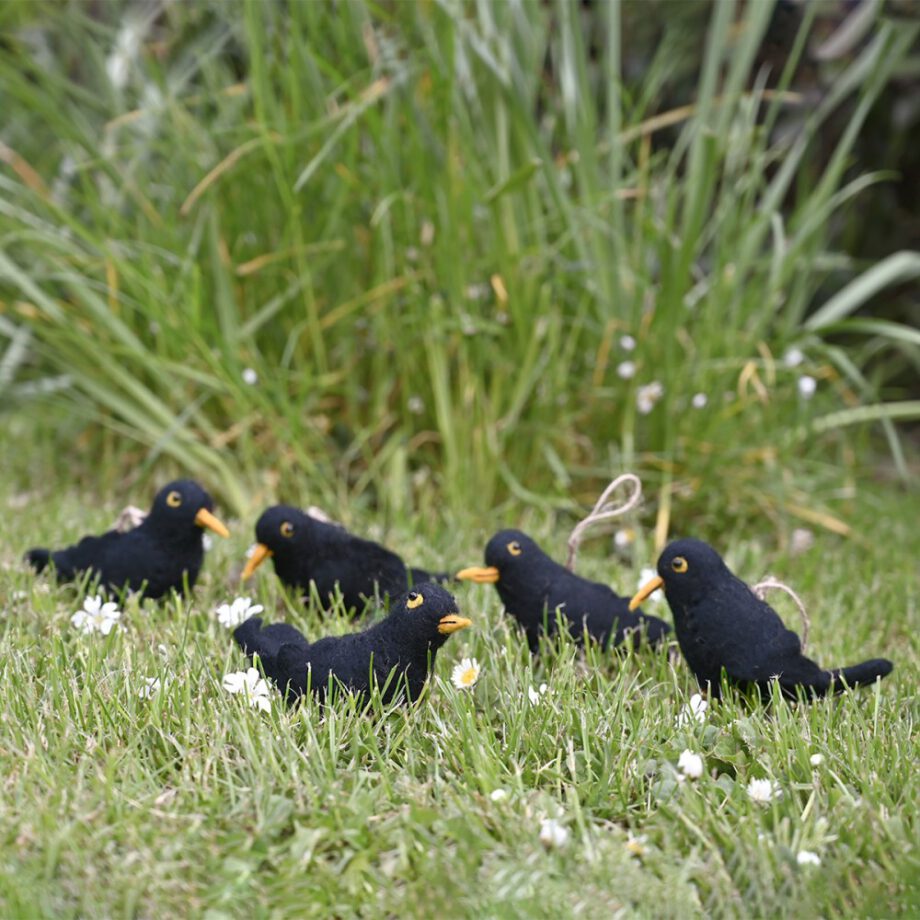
(259, 555)
(204, 518)
(650, 587)
(483, 576)
(451, 623)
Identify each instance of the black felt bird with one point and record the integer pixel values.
(161, 554)
(305, 549)
(532, 587)
(396, 653)
(722, 625)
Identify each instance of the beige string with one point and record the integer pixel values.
(769, 583)
(604, 510)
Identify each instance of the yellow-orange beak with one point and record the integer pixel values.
(487, 575)
(259, 555)
(650, 587)
(452, 623)
(204, 518)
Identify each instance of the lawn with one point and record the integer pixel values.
(191, 802)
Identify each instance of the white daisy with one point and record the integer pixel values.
(627, 343)
(150, 688)
(690, 764)
(694, 711)
(553, 835)
(807, 858)
(793, 357)
(623, 537)
(816, 760)
(234, 613)
(636, 844)
(536, 695)
(626, 370)
(498, 795)
(96, 616)
(648, 395)
(645, 576)
(250, 377)
(465, 674)
(763, 791)
(252, 685)
(699, 400)
(807, 386)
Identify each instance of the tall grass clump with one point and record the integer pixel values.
(397, 251)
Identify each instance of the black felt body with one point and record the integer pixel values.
(722, 625)
(328, 555)
(395, 653)
(156, 557)
(532, 587)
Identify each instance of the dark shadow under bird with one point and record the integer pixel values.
(395, 654)
(161, 554)
(304, 549)
(533, 587)
(722, 625)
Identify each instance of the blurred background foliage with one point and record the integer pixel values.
(402, 255)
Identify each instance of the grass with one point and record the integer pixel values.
(193, 804)
(427, 232)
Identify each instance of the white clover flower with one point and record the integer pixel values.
(699, 401)
(807, 386)
(150, 688)
(498, 795)
(645, 576)
(96, 616)
(627, 343)
(694, 711)
(807, 858)
(626, 370)
(793, 357)
(816, 760)
(763, 791)
(553, 835)
(250, 377)
(690, 764)
(465, 674)
(252, 685)
(648, 395)
(234, 613)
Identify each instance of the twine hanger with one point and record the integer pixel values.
(604, 510)
(770, 583)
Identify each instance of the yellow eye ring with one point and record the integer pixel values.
(414, 600)
(287, 529)
(174, 499)
(679, 565)
(514, 548)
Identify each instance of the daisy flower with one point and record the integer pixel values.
(251, 685)
(646, 575)
(498, 795)
(763, 791)
(465, 674)
(250, 377)
(536, 695)
(694, 711)
(96, 616)
(636, 844)
(553, 835)
(234, 613)
(807, 386)
(626, 370)
(807, 858)
(816, 760)
(690, 764)
(699, 401)
(627, 343)
(648, 395)
(149, 688)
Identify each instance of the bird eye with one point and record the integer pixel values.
(514, 548)
(414, 600)
(287, 529)
(679, 564)
(174, 499)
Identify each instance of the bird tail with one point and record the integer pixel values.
(247, 635)
(420, 576)
(865, 673)
(38, 558)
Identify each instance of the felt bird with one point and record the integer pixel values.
(532, 587)
(305, 549)
(722, 625)
(397, 653)
(159, 555)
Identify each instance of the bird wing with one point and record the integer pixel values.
(93, 552)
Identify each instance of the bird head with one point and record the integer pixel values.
(686, 571)
(426, 615)
(510, 558)
(182, 507)
(281, 531)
